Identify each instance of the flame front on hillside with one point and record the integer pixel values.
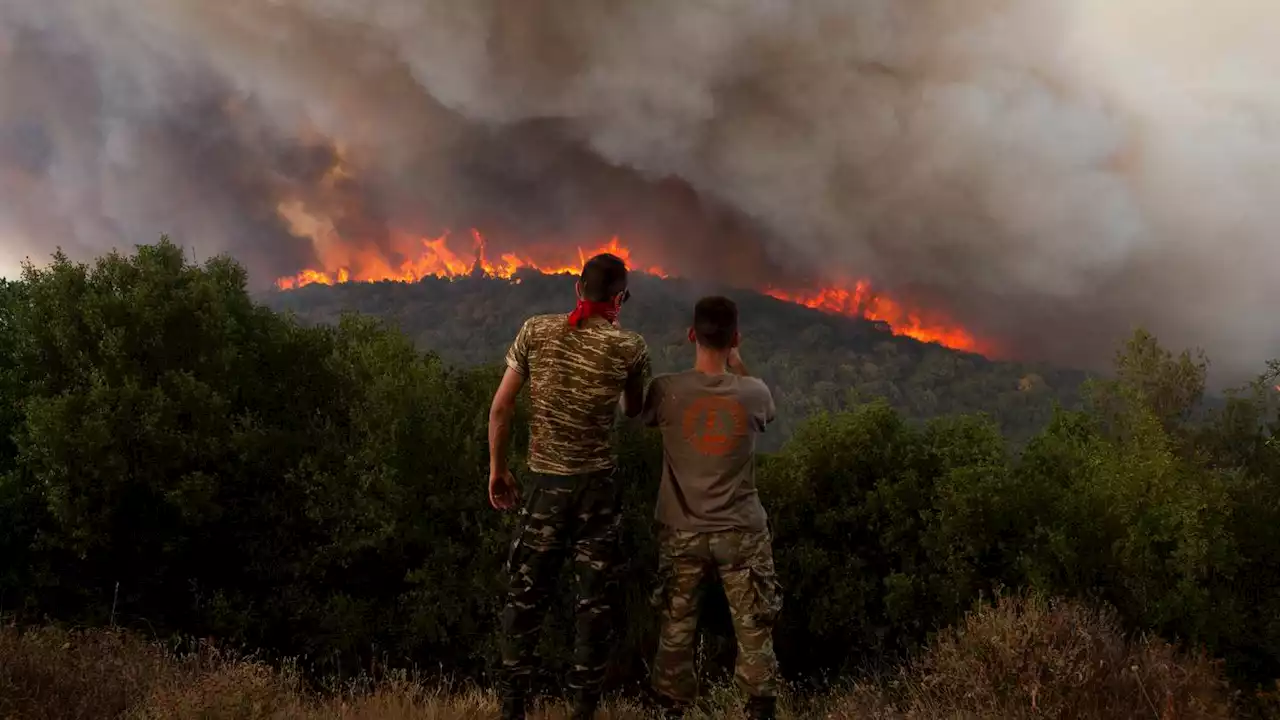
(437, 259)
(862, 301)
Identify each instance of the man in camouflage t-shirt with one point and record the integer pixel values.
(578, 366)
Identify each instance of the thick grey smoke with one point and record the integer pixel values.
(1049, 172)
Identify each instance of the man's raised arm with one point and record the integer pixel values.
(736, 366)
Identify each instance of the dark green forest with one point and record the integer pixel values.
(813, 361)
(181, 460)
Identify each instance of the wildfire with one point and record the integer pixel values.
(861, 301)
(438, 259)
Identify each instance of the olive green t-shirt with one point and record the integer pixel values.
(709, 426)
(575, 377)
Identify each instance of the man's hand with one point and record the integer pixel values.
(503, 492)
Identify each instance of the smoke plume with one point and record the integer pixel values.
(1048, 172)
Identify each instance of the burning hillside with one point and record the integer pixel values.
(445, 258)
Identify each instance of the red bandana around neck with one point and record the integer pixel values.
(587, 309)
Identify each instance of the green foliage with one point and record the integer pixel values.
(1174, 524)
(178, 458)
(865, 509)
(1128, 518)
(19, 508)
(194, 462)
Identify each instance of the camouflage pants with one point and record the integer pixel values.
(744, 562)
(577, 516)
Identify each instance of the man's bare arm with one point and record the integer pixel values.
(501, 414)
(632, 399)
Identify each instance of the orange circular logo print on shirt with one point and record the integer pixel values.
(714, 425)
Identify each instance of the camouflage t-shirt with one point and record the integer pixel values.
(575, 378)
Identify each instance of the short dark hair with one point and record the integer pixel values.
(715, 321)
(603, 277)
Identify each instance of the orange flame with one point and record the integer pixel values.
(437, 259)
(861, 301)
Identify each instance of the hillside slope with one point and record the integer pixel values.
(814, 361)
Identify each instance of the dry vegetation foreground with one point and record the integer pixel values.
(1022, 658)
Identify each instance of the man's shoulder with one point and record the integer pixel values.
(678, 378)
(545, 327)
(665, 379)
(628, 338)
(539, 323)
(757, 388)
(628, 343)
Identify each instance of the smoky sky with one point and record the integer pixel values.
(1048, 173)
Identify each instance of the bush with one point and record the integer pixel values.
(884, 530)
(1027, 657)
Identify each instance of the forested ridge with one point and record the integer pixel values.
(179, 459)
(812, 360)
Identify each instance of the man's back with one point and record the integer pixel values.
(575, 377)
(709, 424)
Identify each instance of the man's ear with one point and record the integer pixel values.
(736, 339)
(577, 288)
(693, 337)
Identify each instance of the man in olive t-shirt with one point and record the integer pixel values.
(710, 513)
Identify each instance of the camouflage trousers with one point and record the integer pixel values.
(574, 516)
(744, 562)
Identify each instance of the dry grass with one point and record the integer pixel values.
(48, 674)
(1028, 658)
(1022, 658)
